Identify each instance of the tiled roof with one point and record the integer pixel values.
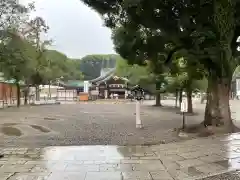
(74, 83)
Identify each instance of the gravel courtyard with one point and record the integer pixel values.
(88, 124)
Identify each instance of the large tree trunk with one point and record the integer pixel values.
(217, 111)
(212, 106)
(189, 100)
(207, 116)
(180, 97)
(37, 93)
(224, 87)
(26, 94)
(224, 21)
(176, 100)
(158, 99)
(18, 94)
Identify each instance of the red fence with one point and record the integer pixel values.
(8, 92)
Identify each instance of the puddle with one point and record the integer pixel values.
(11, 131)
(192, 171)
(50, 118)
(40, 128)
(31, 157)
(223, 163)
(9, 124)
(230, 164)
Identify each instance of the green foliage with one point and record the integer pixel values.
(207, 30)
(200, 85)
(59, 65)
(23, 54)
(12, 14)
(16, 54)
(134, 73)
(15, 61)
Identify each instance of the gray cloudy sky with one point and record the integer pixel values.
(75, 29)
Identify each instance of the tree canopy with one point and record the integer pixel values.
(204, 33)
(24, 55)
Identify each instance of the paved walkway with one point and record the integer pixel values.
(193, 159)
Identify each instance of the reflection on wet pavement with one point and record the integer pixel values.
(9, 124)
(192, 171)
(193, 159)
(40, 128)
(51, 118)
(15, 129)
(11, 131)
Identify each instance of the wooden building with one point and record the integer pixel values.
(111, 86)
(70, 90)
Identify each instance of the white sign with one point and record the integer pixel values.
(94, 92)
(184, 106)
(85, 86)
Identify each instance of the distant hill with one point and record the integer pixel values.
(92, 66)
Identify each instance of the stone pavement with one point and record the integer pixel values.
(189, 160)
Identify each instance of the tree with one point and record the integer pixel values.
(61, 66)
(134, 73)
(12, 14)
(14, 57)
(32, 33)
(15, 61)
(139, 47)
(213, 28)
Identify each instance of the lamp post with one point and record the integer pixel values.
(49, 90)
(138, 94)
(58, 84)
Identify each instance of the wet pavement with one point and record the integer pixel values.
(203, 158)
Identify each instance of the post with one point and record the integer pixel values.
(106, 94)
(65, 94)
(183, 110)
(139, 124)
(183, 121)
(49, 90)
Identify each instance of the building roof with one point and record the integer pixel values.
(12, 81)
(103, 76)
(73, 84)
(9, 81)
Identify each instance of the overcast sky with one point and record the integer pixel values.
(75, 29)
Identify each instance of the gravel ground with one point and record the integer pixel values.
(225, 176)
(88, 124)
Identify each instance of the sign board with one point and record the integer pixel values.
(184, 106)
(85, 86)
(95, 92)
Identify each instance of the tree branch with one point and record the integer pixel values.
(171, 53)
